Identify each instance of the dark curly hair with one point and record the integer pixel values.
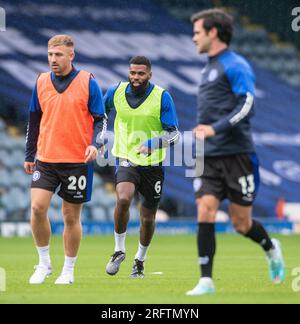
(217, 18)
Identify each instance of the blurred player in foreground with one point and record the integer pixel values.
(225, 106)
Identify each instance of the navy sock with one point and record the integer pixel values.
(259, 235)
(206, 240)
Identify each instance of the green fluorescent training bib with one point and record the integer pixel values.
(133, 127)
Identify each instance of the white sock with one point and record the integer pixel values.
(44, 255)
(141, 253)
(69, 264)
(272, 254)
(120, 242)
(207, 281)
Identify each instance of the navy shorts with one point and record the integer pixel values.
(233, 177)
(147, 180)
(74, 181)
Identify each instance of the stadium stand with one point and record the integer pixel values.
(263, 40)
(107, 34)
(278, 19)
(15, 184)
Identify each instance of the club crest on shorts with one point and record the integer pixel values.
(36, 176)
(125, 164)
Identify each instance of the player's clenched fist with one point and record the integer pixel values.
(91, 154)
(29, 167)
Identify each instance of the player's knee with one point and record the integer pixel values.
(124, 202)
(206, 213)
(240, 226)
(70, 217)
(148, 221)
(38, 210)
(71, 221)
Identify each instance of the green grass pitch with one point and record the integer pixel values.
(241, 273)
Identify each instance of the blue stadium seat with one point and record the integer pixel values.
(99, 213)
(5, 179)
(97, 182)
(2, 126)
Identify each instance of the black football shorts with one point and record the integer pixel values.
(74, 180)
(234, 177)
(147, 180)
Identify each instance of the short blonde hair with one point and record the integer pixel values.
(59, 40)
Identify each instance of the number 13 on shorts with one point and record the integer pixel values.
(247, 184)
